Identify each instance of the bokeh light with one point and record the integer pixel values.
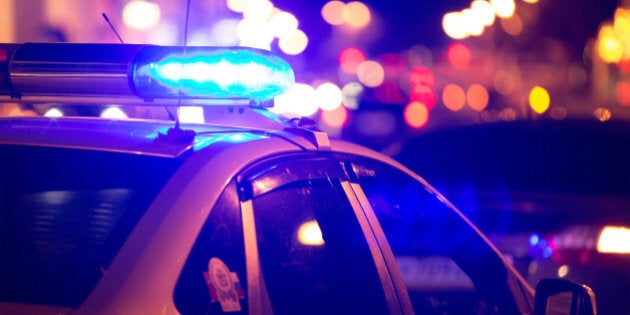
(350, 58)
(335, 118)
(332, 12)
(237, 5)
(258, 10)
(503, 8)
(416, 114)
(454, 25)
(512, 25)
(299, 101)
(329, 96)
(614, 239)
(609, 47)
(283, 24)
(370, 73)
(602, 114)
(356, 14)
(453, 97)
(459, 55)
(141, 15)
(504, 82)
(351, 94)
(622, 91)
(539, 99)
(294, 44)
(477, 97)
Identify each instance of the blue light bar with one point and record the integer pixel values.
(145, 72)
(202, 72)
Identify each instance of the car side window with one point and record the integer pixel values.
(446, 266)
(213, 280)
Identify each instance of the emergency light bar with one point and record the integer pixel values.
(148, 72)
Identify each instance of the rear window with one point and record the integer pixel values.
(64, 214)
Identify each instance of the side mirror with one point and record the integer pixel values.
(562, 297)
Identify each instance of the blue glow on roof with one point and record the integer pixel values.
(202, 142)
(211, 72)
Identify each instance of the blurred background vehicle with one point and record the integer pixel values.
(553, 195)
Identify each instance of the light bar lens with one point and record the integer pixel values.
(210, 72)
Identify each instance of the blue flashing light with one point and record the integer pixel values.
(210, 72)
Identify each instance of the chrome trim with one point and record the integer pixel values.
(381, 267)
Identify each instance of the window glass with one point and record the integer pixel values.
(445, 264)
(314, 257)
(64, 214)
(214, 278)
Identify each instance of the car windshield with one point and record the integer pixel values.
(64, 215)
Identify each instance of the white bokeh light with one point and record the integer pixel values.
(141, 15)
(299, 101)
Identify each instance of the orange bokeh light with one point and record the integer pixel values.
(416, 114)
(459, 56)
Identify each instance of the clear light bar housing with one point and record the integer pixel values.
(144, 71)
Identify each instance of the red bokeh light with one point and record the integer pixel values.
(350, 58)
(459, 56)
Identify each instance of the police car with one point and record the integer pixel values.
(246, 213)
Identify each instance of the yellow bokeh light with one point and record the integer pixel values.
(609, 47)
(141, 15)
(332, 12)
(370, 73)
(309, 233)
(453, 97)
(477, 97)
(258, 10)
(539, 99)
(294, 44)
(356, 14)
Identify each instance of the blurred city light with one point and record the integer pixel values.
(351, 94)
(350, 58)
(503, 8)
(453, 97)
(329, 96)
(370, 73)
(504, 82)
(300, 100)
(539, 99)
(293, 44)
(332, 12)
(356, 14)
(614, 239)
(141, 15)
(283, 24)
(477, 97)
(512, 25)
(237, 5)
(416, 114)
(459, 55)
(335, 118)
